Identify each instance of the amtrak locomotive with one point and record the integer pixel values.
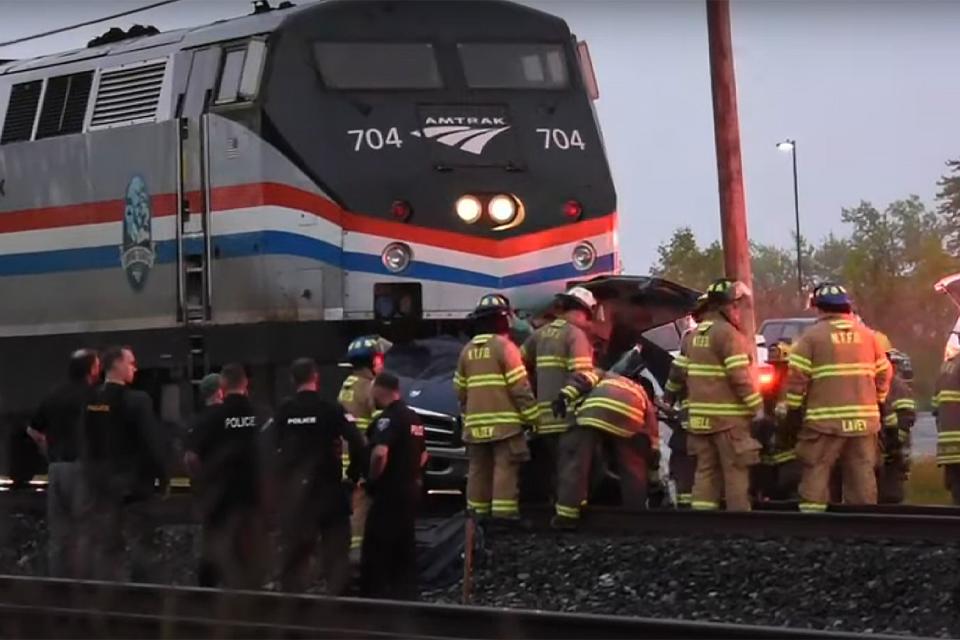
(273, 185)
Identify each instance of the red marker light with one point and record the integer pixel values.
(766, 377)
(401, 210)
(572, 209)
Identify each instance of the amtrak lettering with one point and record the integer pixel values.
(469, 133)
(242, 422)
(137, 254)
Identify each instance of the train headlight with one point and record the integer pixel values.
(396, 257)
(502, 209)
(584, 256)
(469, 209)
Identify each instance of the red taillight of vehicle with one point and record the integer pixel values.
(401, 210)
(572, 210)
(766, 377)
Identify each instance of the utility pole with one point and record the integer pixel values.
(726, 126)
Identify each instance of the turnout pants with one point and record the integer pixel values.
(492, 480)
(723, 468)
(577, 447)
(66, 500)
(360, 505)
(891, 479)
(820, 452)
(388, 565)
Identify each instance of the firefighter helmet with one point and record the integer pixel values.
(490, 305)
(726, 291)
(364, 349)
(902, 363)
(830, 295)
(778, 352)
(581, 297)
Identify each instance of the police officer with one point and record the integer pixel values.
(211, 394)
(718, 379)
(365, 358)
(899, 416)
(496, 402)
(123, 452)
(839, 377)
(947, 404)
(617, 411)
(554, 354)
(226, 442)
(388, 567)
(314, 501)
(56, 429)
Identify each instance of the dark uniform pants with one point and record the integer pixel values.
(388, 564)
(492, 480)
(299, 544)
(119, 541)
(723, 468)
(951, 481)
(234, 546)
(539, 478)
(820, 452)
(66, 504)
(577, 447)
(891, 479)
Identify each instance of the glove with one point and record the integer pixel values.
(559, 407)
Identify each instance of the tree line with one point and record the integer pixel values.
(888, 258)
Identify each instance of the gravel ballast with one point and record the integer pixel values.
(844, 585)
(849, 585)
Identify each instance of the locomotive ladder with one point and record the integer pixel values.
(194, 244)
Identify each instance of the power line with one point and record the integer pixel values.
(87, 23)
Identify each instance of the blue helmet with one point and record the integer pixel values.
(831, 295)
(365, 348)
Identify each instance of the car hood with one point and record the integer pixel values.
(432, 394)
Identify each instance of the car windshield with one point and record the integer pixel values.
(430, 358)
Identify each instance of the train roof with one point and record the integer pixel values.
(220, 31)
(225, 30)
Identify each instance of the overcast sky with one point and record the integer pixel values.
(869, 89)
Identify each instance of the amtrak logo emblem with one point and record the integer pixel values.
(137, 254)
(464, 133)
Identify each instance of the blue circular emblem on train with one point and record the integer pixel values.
(137, 253)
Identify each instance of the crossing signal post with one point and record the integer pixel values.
(733, 209)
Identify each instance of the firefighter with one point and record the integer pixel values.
(496, 402)
(778, 474)
(365, 358)
(619, 411)
(839, 377)
(899, 416)
(682, 463)
(717, 378)
(554, 355)
(947, 403)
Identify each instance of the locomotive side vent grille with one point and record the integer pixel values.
(128, 95)
(21, 112)
(64, 105)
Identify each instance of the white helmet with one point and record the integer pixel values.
(582, 297)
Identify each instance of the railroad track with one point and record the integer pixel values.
(886, 522)
(45, 608)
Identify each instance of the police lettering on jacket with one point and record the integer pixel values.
(240, 422)
(493, 389)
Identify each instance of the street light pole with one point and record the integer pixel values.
(791, 146)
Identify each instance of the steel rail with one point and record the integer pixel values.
(762, 524)
(39, 608)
